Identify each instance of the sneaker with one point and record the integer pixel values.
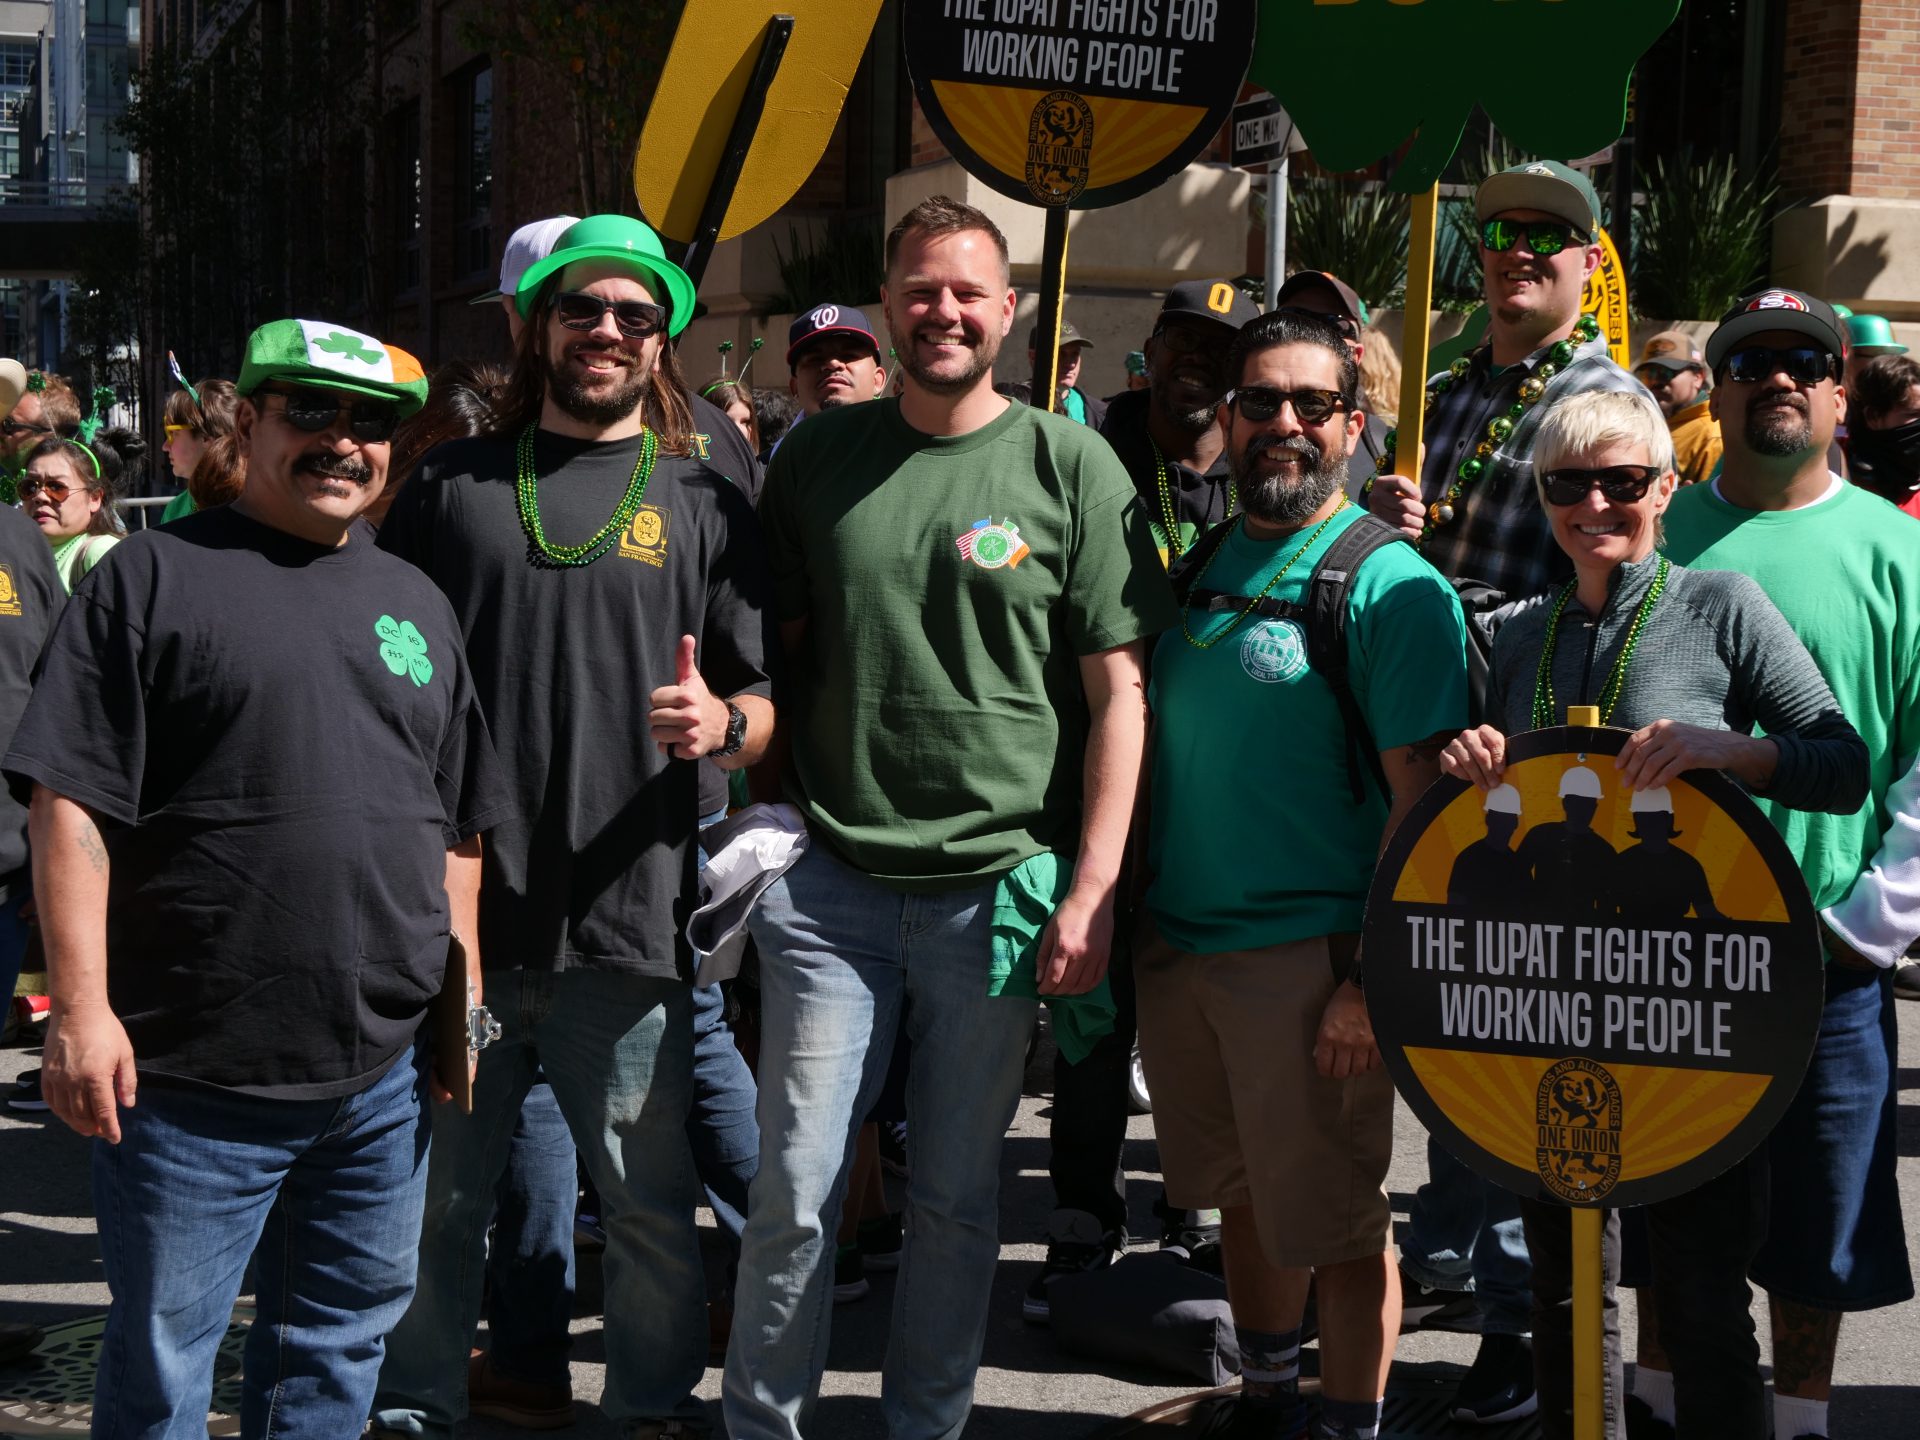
(1075, 1244)
(1643, 1424)
(1499, 1387)
(520, 1403)
(1191, 1231)
(893, 1147)
(1426, 1307)
(881, 1239)
(1906, 981)
(849, 1275)
(27, 1095)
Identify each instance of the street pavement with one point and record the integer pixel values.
(1028, 1388)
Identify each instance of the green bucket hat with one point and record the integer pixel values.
(332, 357)
(1872, 335)
(621, 238)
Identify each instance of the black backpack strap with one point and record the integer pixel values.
(1326, 625)
(1187, 569)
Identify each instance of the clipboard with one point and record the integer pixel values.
(452, 1034)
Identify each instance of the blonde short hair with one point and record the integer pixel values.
(1583, 423)
(1380, 376)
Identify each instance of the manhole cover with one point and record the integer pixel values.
(51, 1391)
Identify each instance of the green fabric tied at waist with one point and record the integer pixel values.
(1023, 902)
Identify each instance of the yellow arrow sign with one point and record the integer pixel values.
(707, 73)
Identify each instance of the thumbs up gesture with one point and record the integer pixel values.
(687, 719)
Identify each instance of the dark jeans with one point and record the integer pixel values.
(530, 1264)
(1088, 1128)
(722, 1127)
(1701, 1244)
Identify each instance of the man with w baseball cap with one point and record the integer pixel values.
(247, 884)
(1844, 567)
(834, 358)
(606, 578)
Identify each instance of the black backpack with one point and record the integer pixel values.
(1324, 619)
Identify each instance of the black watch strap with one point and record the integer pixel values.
(736, 730)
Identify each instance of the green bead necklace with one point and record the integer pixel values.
(1545, 707)
(526, 493)
(1533, 389)
(1169, 517)
(1212, 640)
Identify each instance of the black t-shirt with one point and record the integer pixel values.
(1199, 499)
(597, 869)
(31, 598)
(726, 449)
(284, 740)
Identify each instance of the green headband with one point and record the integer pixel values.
(87, 450)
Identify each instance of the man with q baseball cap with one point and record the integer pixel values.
(1675, 374)
(256, 882)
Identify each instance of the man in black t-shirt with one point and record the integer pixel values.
(611, 586)
(259, 776)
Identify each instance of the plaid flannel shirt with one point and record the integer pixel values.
(1499, 533)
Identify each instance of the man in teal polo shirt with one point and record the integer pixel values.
(1269, 1098)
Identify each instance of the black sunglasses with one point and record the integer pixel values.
(1260, 403)
(11, 426)
(1545, 238)
(1622, 484)
(1345, 324)
(1804, 364)
(373, 421)
(636, 319)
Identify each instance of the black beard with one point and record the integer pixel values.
(1194, 422)
(587, 405)
(986, 350)
(1277, 500)
(1778, 431)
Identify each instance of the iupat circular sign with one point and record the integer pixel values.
(1079, 103)
(1589, 994)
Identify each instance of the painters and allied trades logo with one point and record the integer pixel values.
(1577, 1110)
(1059, 148)
(646, 538)
(404, 649)
(9, 592)
(1274, 650)
(992, 546)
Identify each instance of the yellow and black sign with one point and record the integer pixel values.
(646, 538)
(9, 592)
(1589, 994)
(1605, 298)
(1079, 103)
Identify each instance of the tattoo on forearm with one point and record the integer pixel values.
(1804, 1342)
(93, 847)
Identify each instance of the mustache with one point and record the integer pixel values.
(1299, 444)
(334, 467)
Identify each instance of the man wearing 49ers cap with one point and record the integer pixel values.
(835, 359)
(1844, 568)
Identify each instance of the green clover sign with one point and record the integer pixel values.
(350, 347)
(404, 648)
(1552, 75)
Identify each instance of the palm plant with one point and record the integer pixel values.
(1701, 241)
(1359, 232)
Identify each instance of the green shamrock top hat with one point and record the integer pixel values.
(1872, 335)
(620, 238)
(321, 354)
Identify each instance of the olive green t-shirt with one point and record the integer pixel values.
(950, 585)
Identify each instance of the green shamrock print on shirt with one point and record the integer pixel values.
(404, 648)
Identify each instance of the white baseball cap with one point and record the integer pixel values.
(526, 247)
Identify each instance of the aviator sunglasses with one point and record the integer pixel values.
(373, 421)
(1260, 403)
(1545, 238)
(1622, 484)
(56, 490)
(1803, 364)
(635, 319)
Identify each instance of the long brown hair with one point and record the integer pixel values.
(664, 408)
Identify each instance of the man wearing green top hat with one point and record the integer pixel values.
(246, 884)
(612, 590)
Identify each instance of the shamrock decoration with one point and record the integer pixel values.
(404, 648)
(350, 346)
(1552, 75)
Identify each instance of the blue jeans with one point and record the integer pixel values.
(13, 936)
(329, 1191)
(530, 1263)
(1464, 1233)
(844, 962)
(618, 1051)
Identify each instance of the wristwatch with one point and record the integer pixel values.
(736, 730)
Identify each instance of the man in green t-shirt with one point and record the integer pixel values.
(1844, 568)
(965, 587)
(1269, 1097)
